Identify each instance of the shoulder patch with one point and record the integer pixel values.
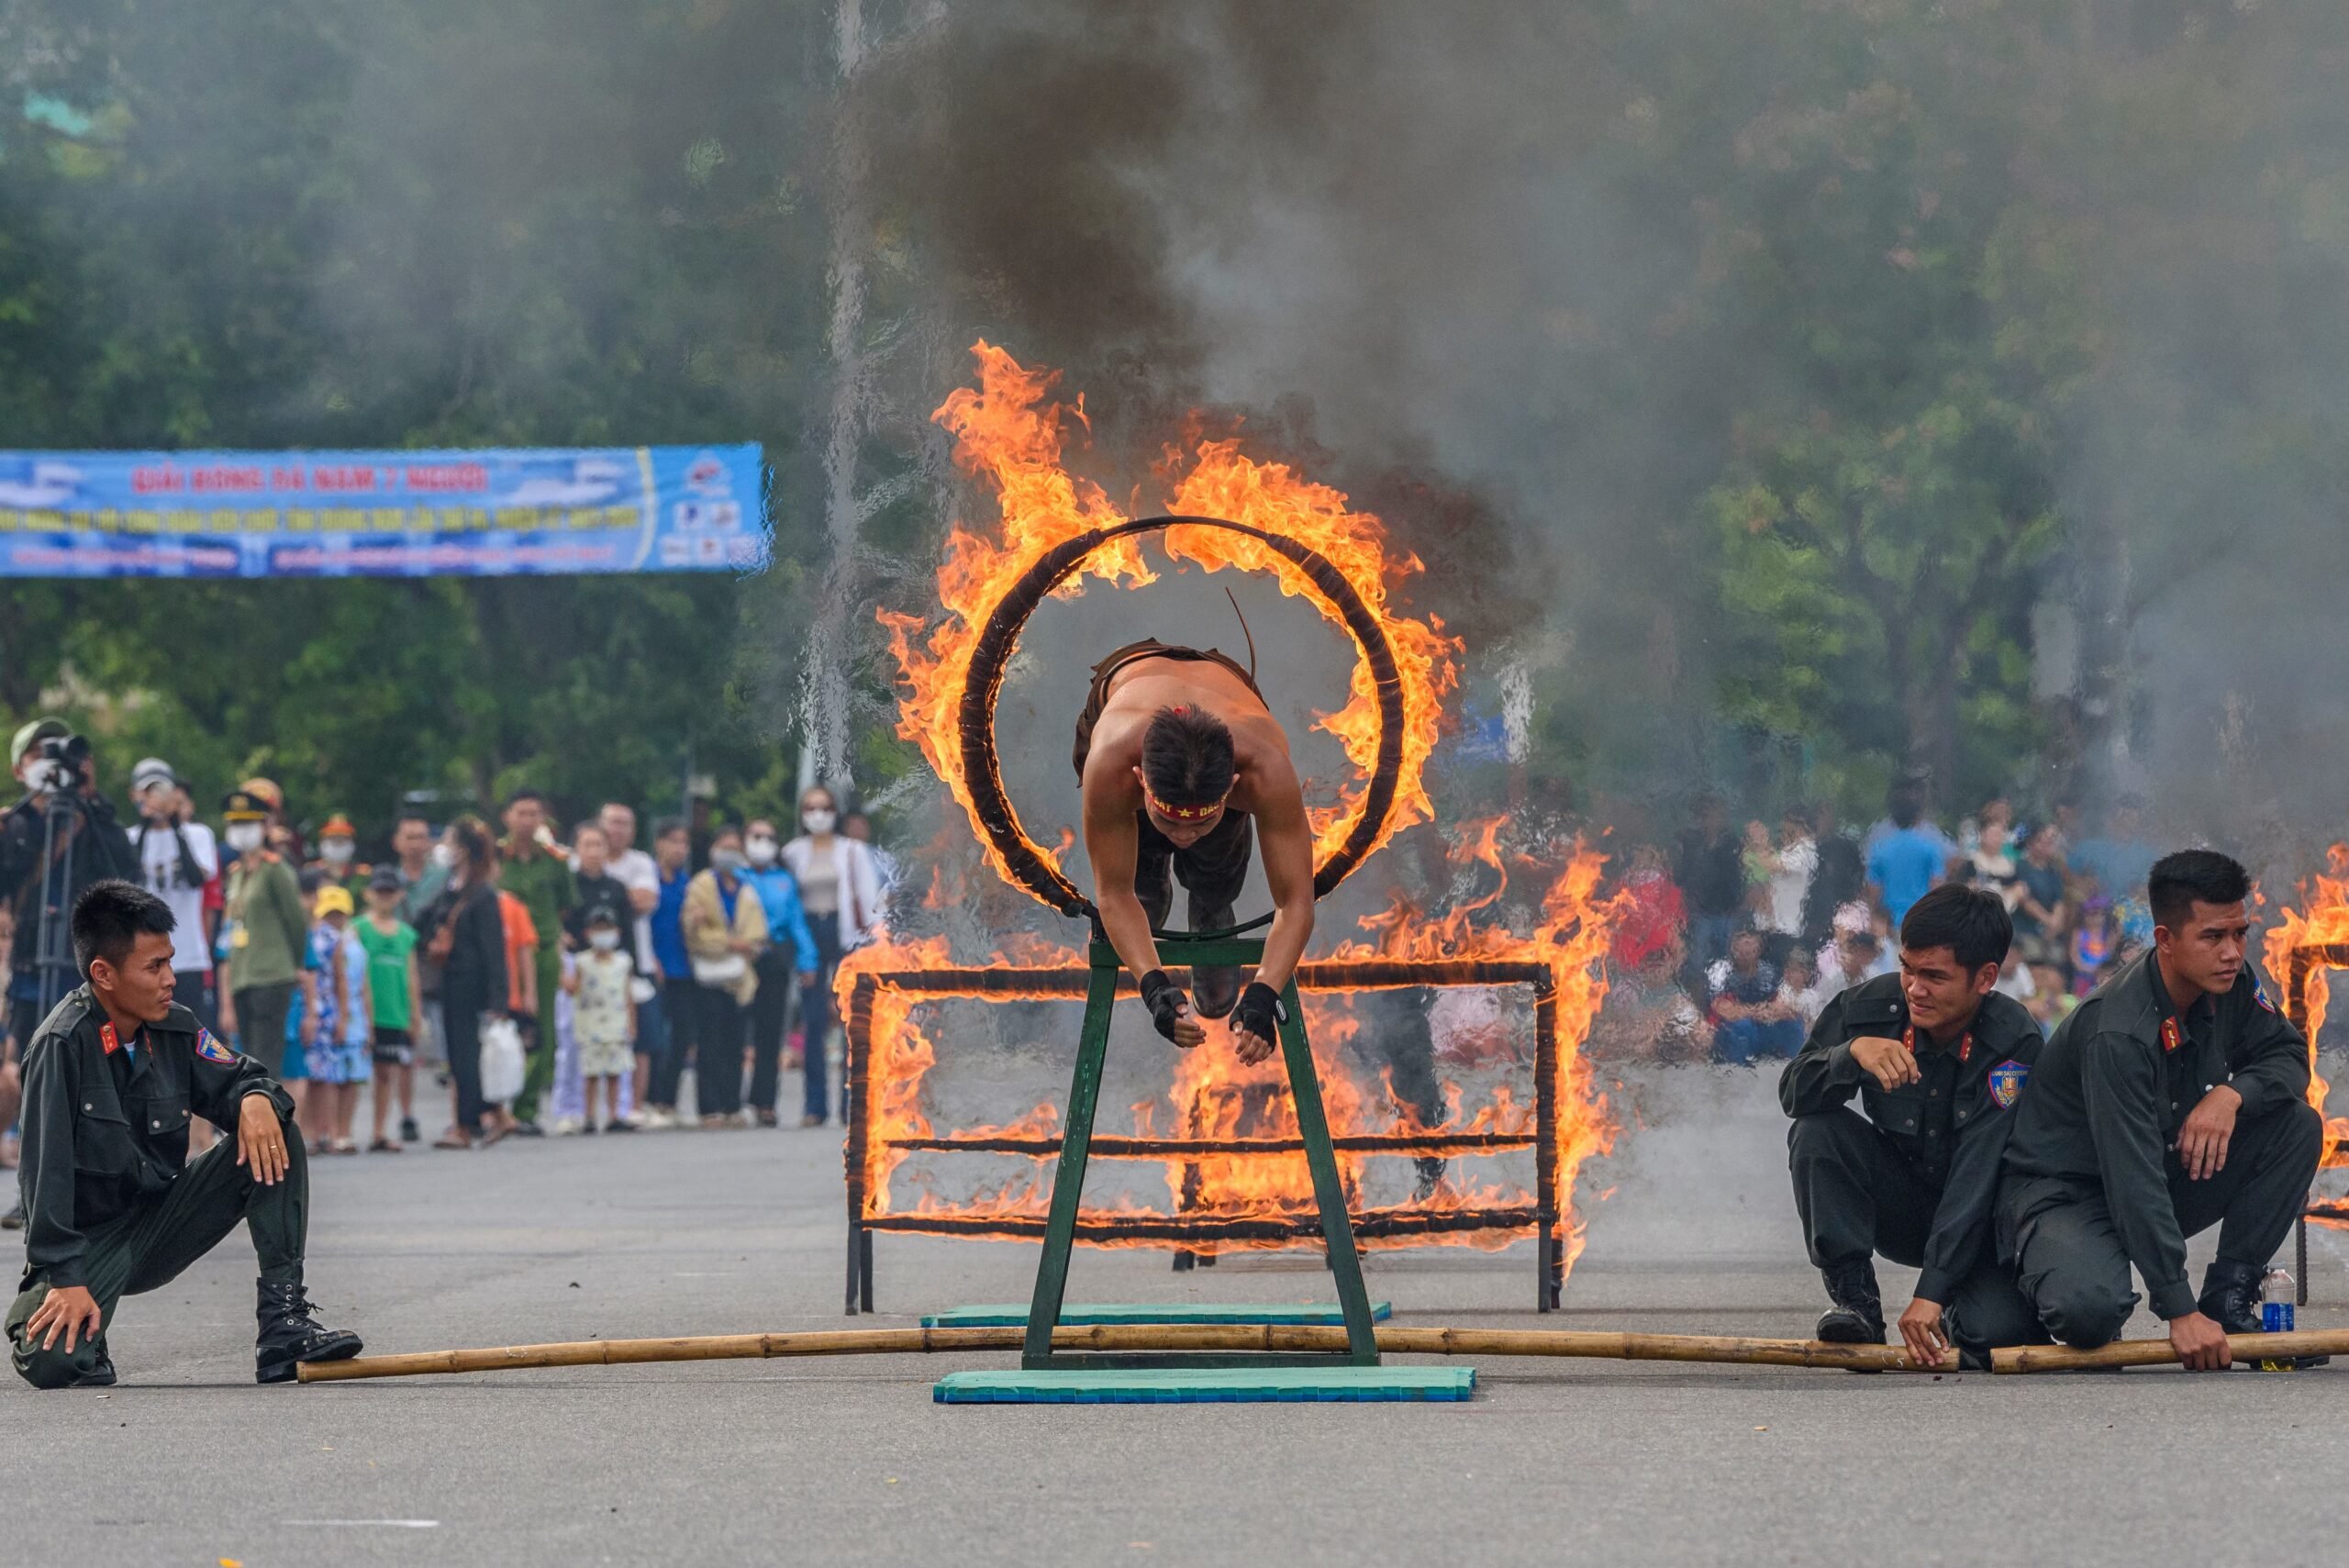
(2259, 993)
(2006, 1081)
(212, 1050)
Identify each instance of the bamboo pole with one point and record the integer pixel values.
(2253, 1347)
(1269, 1338)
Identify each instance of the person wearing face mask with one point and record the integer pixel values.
(339, 854)
(792, 949)
(841, 888)
(726, 929)
(268, 933)
(603, 1017)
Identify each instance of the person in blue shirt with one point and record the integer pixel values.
(1907, 861)
(671, 853)
(2120, 860)
(791, 950)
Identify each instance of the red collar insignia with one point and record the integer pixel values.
(2171, 1035)
(1965, 1043)
(107, 1037)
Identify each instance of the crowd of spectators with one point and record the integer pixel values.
(615, 975)
(1730, 944)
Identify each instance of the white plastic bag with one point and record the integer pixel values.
(501, 1061)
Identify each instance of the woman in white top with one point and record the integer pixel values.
(840, 889)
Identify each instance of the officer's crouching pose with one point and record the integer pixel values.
(112, 1206)
(2174, 1098)
(1940, 1061)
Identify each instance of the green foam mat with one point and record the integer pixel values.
(1234, 1385)
(1146, 1312)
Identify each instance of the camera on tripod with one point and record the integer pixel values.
(58, 769)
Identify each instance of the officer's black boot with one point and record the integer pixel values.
(1857, 1316)
(290, 1336)
(2230, 1296)
(1215, 989)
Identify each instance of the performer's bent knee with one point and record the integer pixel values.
(1822, 1135)
(2084, 1313)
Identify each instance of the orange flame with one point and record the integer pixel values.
(2326, 924)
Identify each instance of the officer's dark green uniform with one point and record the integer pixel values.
(2093, 1182)
(1916, 1179)
(112, 1204)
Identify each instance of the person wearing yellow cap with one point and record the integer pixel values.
(338, 1056)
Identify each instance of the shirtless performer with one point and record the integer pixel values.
(1182, 763)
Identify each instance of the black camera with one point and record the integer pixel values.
(61, 760)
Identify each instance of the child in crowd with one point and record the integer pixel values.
(603, 1018)
(2053, 1002)
(1759, 861)
(2094, 942)
(338, 1055)
(395, 1006)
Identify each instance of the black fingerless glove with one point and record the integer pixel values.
(1260, 1012)
(1164, 999)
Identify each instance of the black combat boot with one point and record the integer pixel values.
(1215, 989)
(290, 1336)
(101, 1373)
(1857, 1316)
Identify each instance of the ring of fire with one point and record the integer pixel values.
(992, 813)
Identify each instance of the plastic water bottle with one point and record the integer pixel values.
(2275, 1315)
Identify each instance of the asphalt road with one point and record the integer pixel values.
(849, 1462)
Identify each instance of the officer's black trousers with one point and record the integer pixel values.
(2068, 1253)
(155, 1242)
(1858, 1197)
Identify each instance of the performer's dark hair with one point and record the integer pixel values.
(1187, 757)
(1972, 922)
(2178, 882)
(108, 918)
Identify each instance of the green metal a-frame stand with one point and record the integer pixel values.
(1068, 1183)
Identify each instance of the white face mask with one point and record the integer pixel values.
(335, 850)
(243, 836)
(761, 851)
(725, 859)
(819, 819)
(603, 941)
(443, 856)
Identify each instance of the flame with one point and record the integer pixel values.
(1009, 431)
(2326, 924)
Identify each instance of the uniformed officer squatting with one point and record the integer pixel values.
(1939, 1061)
(113, 1206)
(2173, 1098)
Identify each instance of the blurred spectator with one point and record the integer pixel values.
(2041, 911)
(634, 869)
(790, 952)
(1856, 954)
(1648, 1013)
(534, 873)
(177, 857)
(1757, 862)
(1910, 859)
(858, 825)
(394, 1005)
(339, 850)
(2096, 942)
(464, 931)
(840, 889)
(340, 1057)
(1712, 878)
(2051, 1002)
(593, 884)
(90, 847)
(1839, 878)
(1798, 989)
(1750, 1020)
(679, 1006)
(1652, 914)
(422, 873)
(726, 929)
(1993, 863)
(1793, 864)
(603, 1015)
(2015, 978)
(2120, 858)
(524, 948)
(268, 939)
(1995, 813)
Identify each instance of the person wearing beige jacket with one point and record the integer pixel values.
(725, 929)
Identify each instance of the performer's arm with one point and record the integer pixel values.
(1287, 841)
(1109, 846)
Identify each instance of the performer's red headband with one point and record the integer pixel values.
(1184, 813)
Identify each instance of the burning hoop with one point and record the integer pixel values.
(1024, 859)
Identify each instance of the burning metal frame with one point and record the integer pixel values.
(2306, 959)
(1400, 1226)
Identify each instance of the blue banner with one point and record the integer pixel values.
(382, 513)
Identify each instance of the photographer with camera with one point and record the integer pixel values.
(54, 843)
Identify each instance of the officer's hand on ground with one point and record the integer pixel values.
(261, 1139)
(1888, 1061)
(69, 1310)
(2208, 1127)
(1921, 1330)
(2199, 1342)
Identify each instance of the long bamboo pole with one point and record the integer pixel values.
(1274, 1338)
(2253, 1347)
